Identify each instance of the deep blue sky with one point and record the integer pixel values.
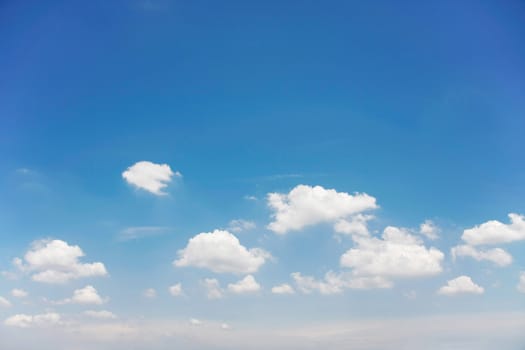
(419, 104)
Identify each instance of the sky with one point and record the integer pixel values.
(262, 174)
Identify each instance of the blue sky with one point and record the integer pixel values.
(364, 120)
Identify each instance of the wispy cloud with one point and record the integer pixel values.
(139, 232)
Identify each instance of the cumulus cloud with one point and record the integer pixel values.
(26, 321)
(101, 315)
(460, 285)
(306, 205)
(55, 261)
(284, 288)
(497, 256)
(150, 293)
(396, 254)
(221, 252)
(521, 283)
(494, 232)
(86, 295)
(176, 290)
(247, 285)
(336, 283)
(239, 225)
(213, 288)
(356, 225)
(19, 293)
(429, 230)
(4, 302)
(150, 176)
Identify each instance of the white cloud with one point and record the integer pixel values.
(239, 225)
(195, 322)
(150, 176)
(284, 288)
(496, 255)
(429, 230)
(213, 288)
(306, 205)
(138, 232)
(220, 252)
(176, 290)
(356, 225)
(461, 285)
(396, 254)
(494, 232)
(86, 295)
(26, 321)
(336, 283)
(19, 293)
(55, 261)
(225, 326)
(102, 314)
(4, 302)
(247, 285)
(521, 283)
(150, 293)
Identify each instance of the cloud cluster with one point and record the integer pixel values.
(239, 225)
(150, 176)
(221, 252)
(284, 288)
(213, 288)
(306, 205)
(429, 230)
(26, 321)
(247, 285)
(496, 255)
(461, 285)
(55, 261)
(101, 315)
(336, 283)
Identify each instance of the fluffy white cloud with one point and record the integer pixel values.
(19, 293)
(239, 225)
(4, 302)
(150, 293)
(150, 176)
(306, 205)
(284, 288)
(102, 314)
(521, 283)
(461, 285)
(176, 290)
(429, 230)
(336, 283)
(220, 251)
(55, 261)
(496, 255)
(397, 254)
(356, 225)
(26, 321)
(213, 288)
(494, 232)
(247, 285)
(86, 295)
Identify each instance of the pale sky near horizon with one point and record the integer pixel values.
(254, 175)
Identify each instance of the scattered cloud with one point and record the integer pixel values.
(86, 295)
(55, 261)
(213, 288)
(250, 198)
(356, 225)
(396, 254)
(4, 302)
(149, 176)
(521, 283)
(460, 285)
(497, 256)
(429, 230)
(284, 288)
(336, 283)
(306, 205)
(221, 252)
(495, 232)
(247, 285)
(19, 293)
(27, 321)
(176, 290)
(101, 315)
(239, 225)
(138, 232)
(150, 293)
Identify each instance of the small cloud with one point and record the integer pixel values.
(150, 177)
(102, 314)
(429, 230)
(150, 293)
(195, 322)
(521, 283)
(460, 285)
(27, 321)
(250, 198)
(247, 285)
(239, 225)
(213, 288)
(19, 293)
(86, 295)
(138, 232)
(225, 326)
(284, 288)
(4, 302)
(176, 290)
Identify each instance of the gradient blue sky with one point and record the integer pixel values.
(420, 105)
